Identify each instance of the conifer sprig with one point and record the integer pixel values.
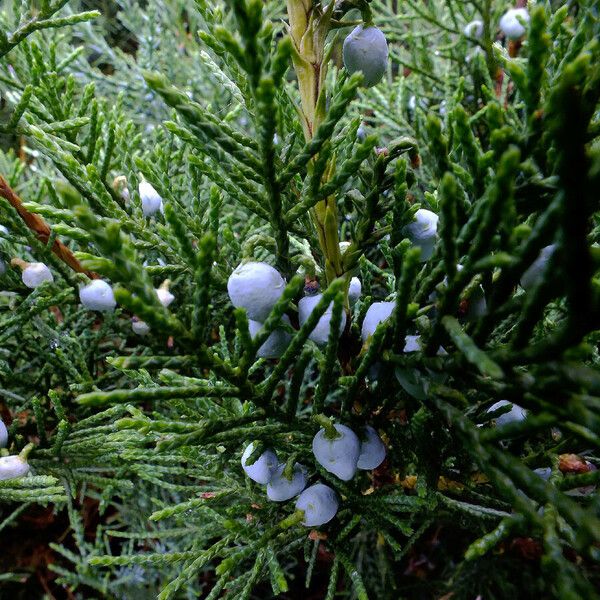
(468, 344)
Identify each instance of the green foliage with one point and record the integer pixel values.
(256, 156)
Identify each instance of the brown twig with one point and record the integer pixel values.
(42, 230)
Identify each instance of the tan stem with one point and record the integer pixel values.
(19, 262)
(308, 31)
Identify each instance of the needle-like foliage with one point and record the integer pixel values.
(262, 147)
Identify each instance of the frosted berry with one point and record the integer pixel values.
(515, 414)
(119, 185)
(366, 50)
(262, 470)
(361, 133)
(12, 467)
(511, 25)
(277, 342)
(537, 269)
(97, 295)
(412, 343)
(372, 450)
(280, 488)
(354, 291)
(139, 327)
(319, 503)
(422, 232)
(474, 29)
(377, 313)
(151, 200)
(320, 334)
(543, 472)
(164, 295)
(35, 274)
(344, 247)
(340, 455)
(3, 434)
(255, 286)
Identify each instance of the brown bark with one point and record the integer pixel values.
(42, 230)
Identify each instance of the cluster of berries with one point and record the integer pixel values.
(513, 24)
(341, 453)
(365, 49)
(98, 295)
